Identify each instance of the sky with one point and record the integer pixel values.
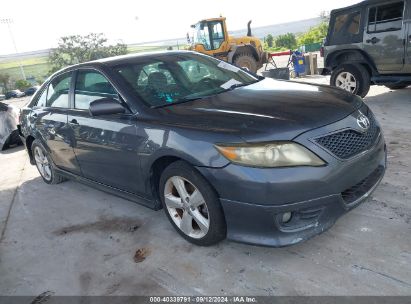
(38, 24)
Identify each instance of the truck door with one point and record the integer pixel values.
(384, 35)
(408, 42)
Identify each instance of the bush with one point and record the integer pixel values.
(287, 41)
(269, 40)
(22, 84)
(314, 35)
(78, 49)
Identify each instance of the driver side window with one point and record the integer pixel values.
(90, 86)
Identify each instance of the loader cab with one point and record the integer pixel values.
(210, 36)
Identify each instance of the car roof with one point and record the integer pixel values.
(131, 57)
(360, 4)
(122, 59)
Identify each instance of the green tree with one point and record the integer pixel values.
(314, 35)
(22, 84)
(4, 81)
(77, 49)
(287, 41)
(269, 40)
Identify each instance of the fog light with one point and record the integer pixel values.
(286, 217)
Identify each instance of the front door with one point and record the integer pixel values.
(384, 36)
(105, 146)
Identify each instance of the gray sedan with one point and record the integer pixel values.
(224, 152)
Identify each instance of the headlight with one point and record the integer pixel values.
(270, 155)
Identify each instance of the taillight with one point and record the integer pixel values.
(322, 51)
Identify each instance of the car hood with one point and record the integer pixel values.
(267, 110)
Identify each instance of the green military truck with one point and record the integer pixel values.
(369, 44)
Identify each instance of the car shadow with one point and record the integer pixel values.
(392, 96)
(12, 149)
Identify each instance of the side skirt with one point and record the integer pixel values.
(152, 204)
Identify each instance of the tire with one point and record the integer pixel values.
(246, 60)
(398, 86)
(201, 219)
(352, 78)
(42, 159)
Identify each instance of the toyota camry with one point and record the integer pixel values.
(225, 153)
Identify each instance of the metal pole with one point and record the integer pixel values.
(8, 21)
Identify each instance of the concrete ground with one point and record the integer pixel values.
(70, 239)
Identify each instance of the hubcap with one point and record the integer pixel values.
(42, 163)
(187, 207)
(346, 81)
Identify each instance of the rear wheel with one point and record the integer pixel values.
(246, 60)
(398, 86)
(44, 164)
(192, 205)
(352, 78)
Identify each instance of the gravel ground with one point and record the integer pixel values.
(70, 239)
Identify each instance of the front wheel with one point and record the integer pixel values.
(351, 78)
(191, 205)
(247, 61)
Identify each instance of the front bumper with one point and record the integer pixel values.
(254, 199)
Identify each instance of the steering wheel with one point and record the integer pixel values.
(205, 82)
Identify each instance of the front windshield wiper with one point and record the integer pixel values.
(187, 99)
(181, 100)
(239, 85)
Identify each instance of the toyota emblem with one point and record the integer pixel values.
(363, 121)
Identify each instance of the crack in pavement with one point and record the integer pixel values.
(382, 274)
(3, 232)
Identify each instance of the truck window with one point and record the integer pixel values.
(346, 28)
(387, 17)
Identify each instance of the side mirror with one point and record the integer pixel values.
(105, 106)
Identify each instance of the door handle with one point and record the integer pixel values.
(373, 40)
(73, 122)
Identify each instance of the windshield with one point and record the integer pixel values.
(174, 78)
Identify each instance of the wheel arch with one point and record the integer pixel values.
(238, 49)
(352, 57)
(29, 142)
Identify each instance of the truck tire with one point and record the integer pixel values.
(246, 60)
(352, 78)
(398, 86)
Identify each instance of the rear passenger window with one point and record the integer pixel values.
(58, 91)
(90, 86)
(349, 23)
(385, 18)
(345, 28)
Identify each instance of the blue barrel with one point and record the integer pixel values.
(298, 63)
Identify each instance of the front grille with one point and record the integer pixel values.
(355, 192)
(348, 143)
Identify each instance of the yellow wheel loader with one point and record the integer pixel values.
(211, 37)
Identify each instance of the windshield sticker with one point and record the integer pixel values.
(230, 83)
(228, 67)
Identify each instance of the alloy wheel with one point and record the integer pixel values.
(187, 207)
(42, 163)
(346, 81)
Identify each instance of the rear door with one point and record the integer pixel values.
(384, 35)
(49, 115)
(105, 146)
